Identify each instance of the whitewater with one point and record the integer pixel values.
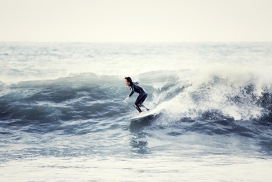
(62, 115)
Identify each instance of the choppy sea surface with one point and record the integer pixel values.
(62, 115)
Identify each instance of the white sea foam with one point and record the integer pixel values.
(213, 88)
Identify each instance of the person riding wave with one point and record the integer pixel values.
(134, 87)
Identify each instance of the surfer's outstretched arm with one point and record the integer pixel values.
(126, 99)
(131, 93)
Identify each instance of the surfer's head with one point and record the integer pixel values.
(128, 81)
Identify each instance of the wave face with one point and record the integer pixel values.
(67, 100)
(177, 95)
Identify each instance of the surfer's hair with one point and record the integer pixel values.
(129, 79)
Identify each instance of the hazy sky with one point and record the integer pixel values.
(135, 20)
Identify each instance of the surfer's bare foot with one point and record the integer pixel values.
(140, 113)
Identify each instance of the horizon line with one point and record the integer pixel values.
(135, 41)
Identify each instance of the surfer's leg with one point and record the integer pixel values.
(145, 107)
(138, 103)
(142, 100)
(137, 107)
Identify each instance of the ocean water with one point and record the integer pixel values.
(62, 115)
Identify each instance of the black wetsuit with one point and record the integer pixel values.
(141, 98)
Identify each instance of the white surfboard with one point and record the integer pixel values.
(144, 115)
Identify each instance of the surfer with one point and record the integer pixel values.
(134, 87)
